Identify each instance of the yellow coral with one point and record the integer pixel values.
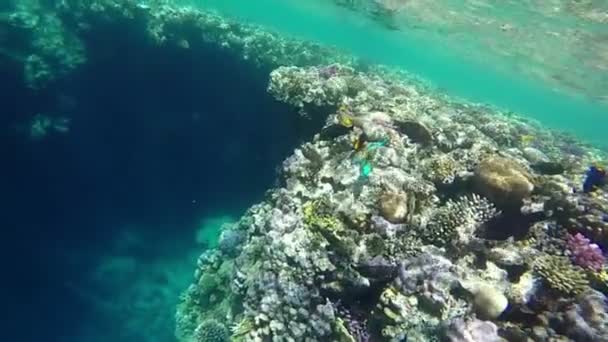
(242, 328)
(600, 279)
(603, 276)
(561, 275)
(317, 216)
(314, 216)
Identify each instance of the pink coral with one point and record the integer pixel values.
(584, 253)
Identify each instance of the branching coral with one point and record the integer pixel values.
(559, 274)
(457, 221)
(442, 169)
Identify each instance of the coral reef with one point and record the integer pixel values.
(383, 225)
(398, 223)
(48, 37)
(41, 44)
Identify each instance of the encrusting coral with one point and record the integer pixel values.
(502, 180)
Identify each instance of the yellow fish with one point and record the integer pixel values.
(527, 139)
(345, 120)
(359, 142)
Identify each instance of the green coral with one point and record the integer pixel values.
(212, 331)
(241, 329)
(214, 285)
(318, 216)
(561, 275)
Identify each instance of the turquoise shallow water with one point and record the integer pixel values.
(417, 53)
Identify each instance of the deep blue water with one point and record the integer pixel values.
(159, 139)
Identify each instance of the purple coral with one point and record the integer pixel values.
(584, 253)
(356, 326)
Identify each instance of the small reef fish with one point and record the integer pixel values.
(527, 139)
(359, 142)
(333, 131)
(346, 120)
(595, 177)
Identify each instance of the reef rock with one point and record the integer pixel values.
(416, 131)
(473, 330)
(588, 319)
(503, 181)
(431, 277)
(534, 155)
